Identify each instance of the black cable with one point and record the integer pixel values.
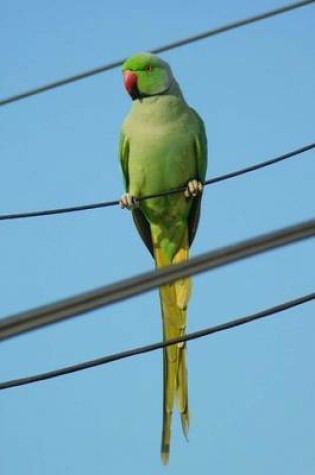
(211, 181)
(48, 212)
(156, 346)
(113, 293)
(161, 49)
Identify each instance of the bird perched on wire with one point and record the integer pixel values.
(163, 145)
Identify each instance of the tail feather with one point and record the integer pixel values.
(169, 374)
(183, 291)
(166, 437)
(182, 391)
(174, 300)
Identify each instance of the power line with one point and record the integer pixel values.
(113, 293)
(211, 181)
(157, 346)
(161, 49)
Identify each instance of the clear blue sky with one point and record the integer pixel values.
(252, 390)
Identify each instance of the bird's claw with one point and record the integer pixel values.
(194, 187)
(128, 201)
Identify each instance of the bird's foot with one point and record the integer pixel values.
(128, 201)
(194, 187)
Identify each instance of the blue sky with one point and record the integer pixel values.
(251, 389)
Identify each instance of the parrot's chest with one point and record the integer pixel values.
(161, 156)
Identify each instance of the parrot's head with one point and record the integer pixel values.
(146, 75)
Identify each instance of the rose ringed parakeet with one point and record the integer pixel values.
(163, 146)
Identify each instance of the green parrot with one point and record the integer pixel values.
(163, 145)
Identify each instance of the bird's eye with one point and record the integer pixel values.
(148, 68)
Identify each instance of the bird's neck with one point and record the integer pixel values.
(168, 104)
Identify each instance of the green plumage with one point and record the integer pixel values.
(163, 146)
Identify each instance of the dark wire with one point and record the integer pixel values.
(212, 181)
(113, 293)
(161, 49)
(156, 346)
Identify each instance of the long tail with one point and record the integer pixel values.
(174, 299)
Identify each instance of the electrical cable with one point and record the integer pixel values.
(211, 181)
(161, 49)
(126, 288)
(271, 311)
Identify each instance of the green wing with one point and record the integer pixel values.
(140, 221)
(201, 162)
(124, 158)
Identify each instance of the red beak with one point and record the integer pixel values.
(130, 80)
